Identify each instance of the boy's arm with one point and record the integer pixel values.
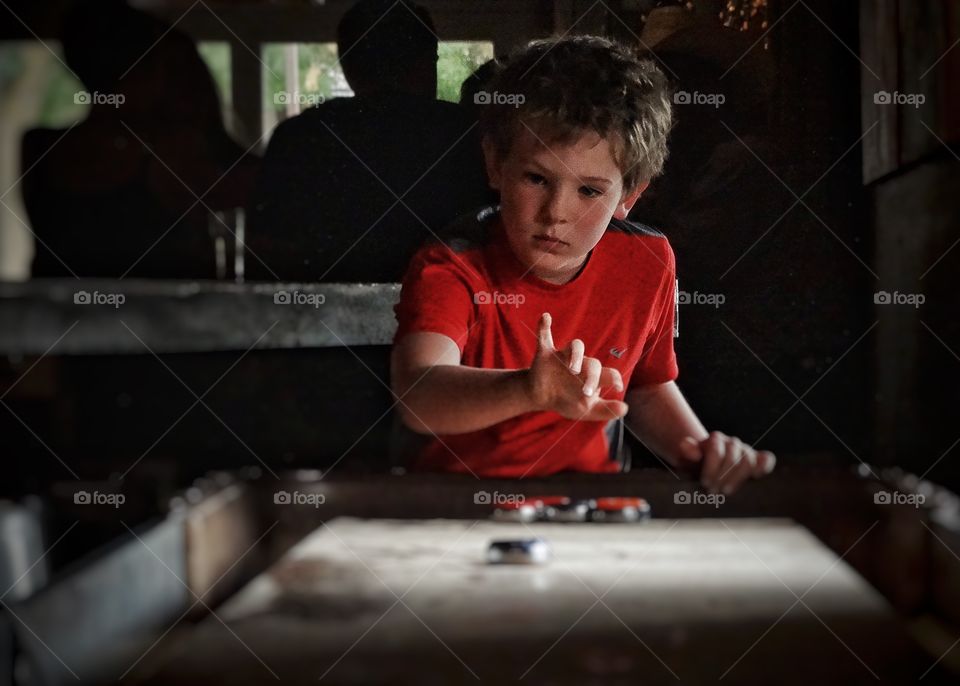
(439, 395)
(665, 423)
(661, 418)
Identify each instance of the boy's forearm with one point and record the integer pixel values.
(454, 399)
(661, 418)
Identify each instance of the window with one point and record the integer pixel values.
(297, 76)
(36, 90)
(459, 59)
(216, 54)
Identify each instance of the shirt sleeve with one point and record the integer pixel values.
(658, 363)
(435, 297)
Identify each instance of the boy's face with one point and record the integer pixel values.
(557, 200)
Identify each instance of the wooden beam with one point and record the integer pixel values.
(183, 316)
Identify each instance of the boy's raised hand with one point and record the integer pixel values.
(567, 382)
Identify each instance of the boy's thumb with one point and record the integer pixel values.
(545, 335)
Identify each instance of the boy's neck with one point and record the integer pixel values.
(500, 236)
(569, 275)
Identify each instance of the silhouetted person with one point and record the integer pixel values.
(326, 206)
(475, 88)
(474, 96)
(117, 194)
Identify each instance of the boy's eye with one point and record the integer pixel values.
(533, 177)
(590, 192)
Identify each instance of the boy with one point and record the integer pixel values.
(514, 352)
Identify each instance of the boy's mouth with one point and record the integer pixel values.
(549, 241)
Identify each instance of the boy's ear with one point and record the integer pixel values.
(628, 199)
(492, 162)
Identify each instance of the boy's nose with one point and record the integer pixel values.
(555, 209)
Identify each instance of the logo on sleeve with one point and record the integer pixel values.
(618, 352)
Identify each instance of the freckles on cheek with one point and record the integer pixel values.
(597, 216)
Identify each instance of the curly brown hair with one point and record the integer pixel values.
(562, 87)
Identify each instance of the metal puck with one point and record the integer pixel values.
(522, 551)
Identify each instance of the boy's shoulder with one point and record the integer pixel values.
(640, 239)
(634, 242)
(460, 245)
(471, 229)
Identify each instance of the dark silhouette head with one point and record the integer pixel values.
(103, 39)
(388, 46)
(478, 81)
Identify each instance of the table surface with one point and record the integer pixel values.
(414, 602)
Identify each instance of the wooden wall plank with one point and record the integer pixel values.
(878, 41)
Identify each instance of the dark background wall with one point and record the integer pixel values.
(911, 171)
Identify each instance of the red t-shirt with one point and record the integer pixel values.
(621, 305)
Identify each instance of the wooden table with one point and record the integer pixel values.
(365, 601)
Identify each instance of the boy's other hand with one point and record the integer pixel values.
(569, 383)
(726, 461)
